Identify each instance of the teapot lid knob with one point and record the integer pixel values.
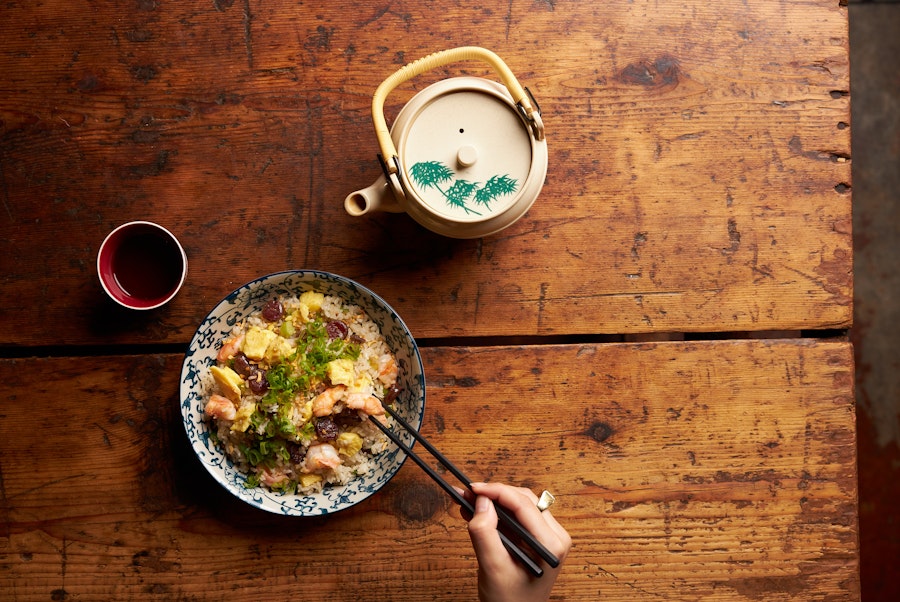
(466, 156)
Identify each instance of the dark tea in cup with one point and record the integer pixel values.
(141, 265)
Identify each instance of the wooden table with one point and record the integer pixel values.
(661, 340)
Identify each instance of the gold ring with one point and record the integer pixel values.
(546, 500)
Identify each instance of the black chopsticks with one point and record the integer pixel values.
(508, 522)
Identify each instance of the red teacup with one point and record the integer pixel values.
(141, 265)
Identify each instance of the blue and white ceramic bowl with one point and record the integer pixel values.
(201, 355)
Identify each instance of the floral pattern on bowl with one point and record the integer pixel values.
(250, 298)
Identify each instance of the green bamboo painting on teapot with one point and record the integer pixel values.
(462, 193)
(466, 156)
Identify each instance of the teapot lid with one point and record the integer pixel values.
(466, 152)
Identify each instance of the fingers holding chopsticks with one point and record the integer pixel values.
(505, 570)
(500, 577)
(522, 503)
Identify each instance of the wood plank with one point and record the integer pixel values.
(699, 172)
(683, 470)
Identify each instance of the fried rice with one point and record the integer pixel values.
(293, 388)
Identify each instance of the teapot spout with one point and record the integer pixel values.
(377, 197)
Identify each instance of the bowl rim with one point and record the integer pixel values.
(186, 398)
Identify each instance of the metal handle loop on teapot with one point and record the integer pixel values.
(439, 59)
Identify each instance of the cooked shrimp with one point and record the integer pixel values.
(387, 369)
(272, 477)
(365, 403)
(324, 402)
(220, 407)
(230, 348)
(322, 455)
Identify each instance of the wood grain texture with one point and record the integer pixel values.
(684, 471)
(699, 175)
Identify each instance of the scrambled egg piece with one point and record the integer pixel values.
(340, 372)
(348, 443)
(256, 341)
(229, 381)
(242, 417)
(312, 300)
(302, 410)
(277, 350)
(361, 384)
(310, 303)
(309, 479)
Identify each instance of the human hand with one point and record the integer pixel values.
(500, 577)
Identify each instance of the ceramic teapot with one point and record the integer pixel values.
(465, 157)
